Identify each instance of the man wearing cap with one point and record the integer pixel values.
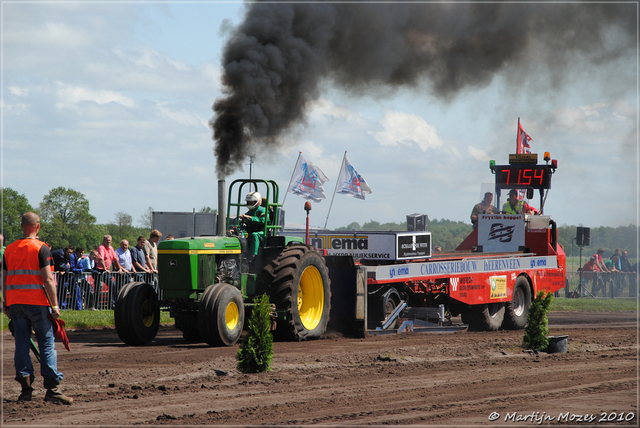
(31, 302)
(517, 206)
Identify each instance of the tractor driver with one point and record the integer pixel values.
(253, 222)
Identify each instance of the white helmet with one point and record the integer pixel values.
(253, 200)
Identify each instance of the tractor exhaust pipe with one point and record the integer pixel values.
(222, 210)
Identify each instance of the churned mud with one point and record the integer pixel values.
(462, 378)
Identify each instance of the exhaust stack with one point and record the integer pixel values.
(222, 210)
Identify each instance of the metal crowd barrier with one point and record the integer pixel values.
(602, 284)
(96, 291)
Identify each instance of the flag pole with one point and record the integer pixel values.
(291, 179)
(335, 189)
(518, 137)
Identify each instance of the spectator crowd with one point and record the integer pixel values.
(83, 278)
(613, 274)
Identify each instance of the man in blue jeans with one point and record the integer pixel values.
(31, 302)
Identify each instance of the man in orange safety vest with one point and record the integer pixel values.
(31, 302)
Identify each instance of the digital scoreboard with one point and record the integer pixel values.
(521, 176)
(524, 171)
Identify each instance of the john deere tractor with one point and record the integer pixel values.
(208, 283)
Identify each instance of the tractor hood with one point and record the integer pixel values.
(200, 245)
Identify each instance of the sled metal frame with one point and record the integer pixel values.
(417, 325)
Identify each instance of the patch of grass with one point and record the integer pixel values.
(594, 305)
(87, 319)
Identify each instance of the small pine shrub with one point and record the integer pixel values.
(256, 351)
(537, 329)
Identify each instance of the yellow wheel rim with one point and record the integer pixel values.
(231, 316)
(310, 298)
(147, 314)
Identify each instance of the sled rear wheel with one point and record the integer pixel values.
(487, 317)
(517, 310)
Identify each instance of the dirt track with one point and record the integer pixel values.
(420, 379)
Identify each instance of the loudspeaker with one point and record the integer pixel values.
(579, 236)
(417, 222)
(583, 236)
(586, 236)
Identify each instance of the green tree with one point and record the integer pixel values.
(146, 219)
(256, 351)
(351, 226)
(66, 219)
(121, 228)
(609, 238)
(537, 329)
(14, 205)
(208, 209)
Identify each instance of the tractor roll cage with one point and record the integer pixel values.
(266, 188)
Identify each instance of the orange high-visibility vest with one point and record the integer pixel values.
(24, 283)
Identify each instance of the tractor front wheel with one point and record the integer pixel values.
(221, 315)
(137, 316)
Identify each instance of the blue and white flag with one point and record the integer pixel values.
(350, 182)
(307, 181)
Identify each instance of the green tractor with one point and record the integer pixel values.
(208, 283)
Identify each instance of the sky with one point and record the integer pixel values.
(114, 100)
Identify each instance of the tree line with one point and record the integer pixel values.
(66, 220)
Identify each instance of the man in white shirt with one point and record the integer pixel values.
(124, 256)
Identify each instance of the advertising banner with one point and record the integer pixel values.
(414, 246)
(500, 232)
(370, 245)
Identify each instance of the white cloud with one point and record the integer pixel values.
(325, 107)
(144, 56)
(69, 96)
(478, 154)
(583, 119)
(21, 92)
(46, 34)
(406, 128)
(181, 117)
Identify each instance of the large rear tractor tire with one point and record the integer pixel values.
(487, 317)
(301, 288)
(136, 315)
(221, 315)
(517, 310)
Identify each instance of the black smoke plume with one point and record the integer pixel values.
(276, 59)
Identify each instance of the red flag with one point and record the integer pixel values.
(522, 147)
(522, 143)
(59, 333)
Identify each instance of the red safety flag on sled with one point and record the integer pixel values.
(522, 147)
(59, 333)
(522, 144)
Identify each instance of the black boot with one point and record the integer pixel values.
(27, 389)
(54, 395)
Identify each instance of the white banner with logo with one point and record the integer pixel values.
(500, 232)
(371, 245)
